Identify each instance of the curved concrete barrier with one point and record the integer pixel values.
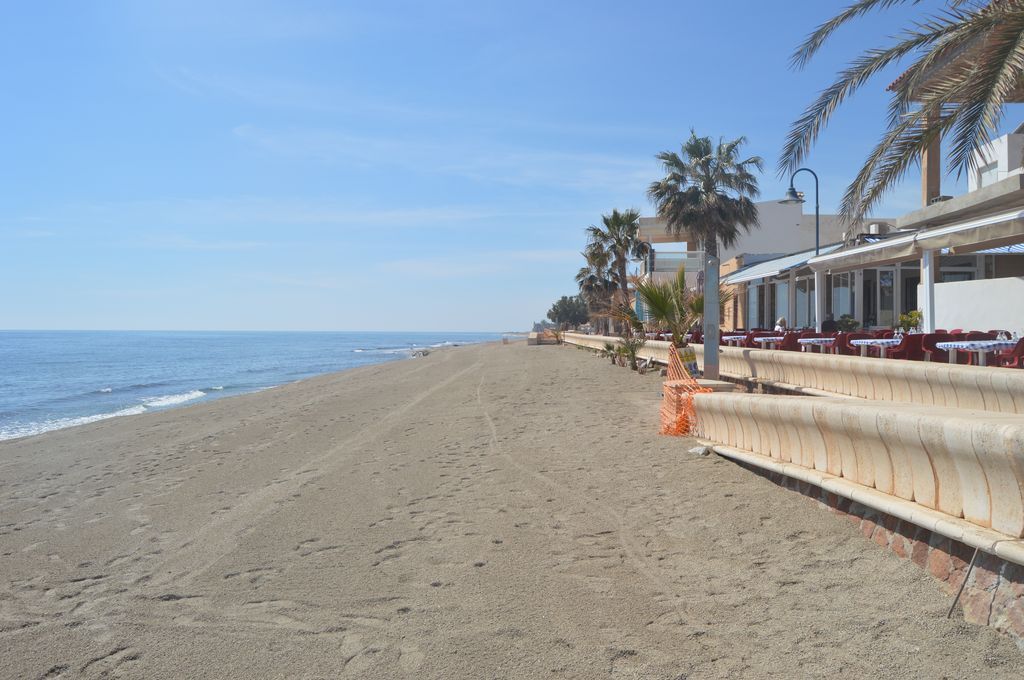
(920, 382)
(965, 464)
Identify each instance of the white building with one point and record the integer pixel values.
(998, 160)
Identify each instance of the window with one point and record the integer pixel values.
(782, 302)
(804, 303)
(753, 308)
(842, 294)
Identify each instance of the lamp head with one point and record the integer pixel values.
(793, 196)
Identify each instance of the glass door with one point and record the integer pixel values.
(886, 296)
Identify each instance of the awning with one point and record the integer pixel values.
(983, 233)
(774, 267)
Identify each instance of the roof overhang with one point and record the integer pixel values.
(982, 233)
(1003, 195)
(776, 266)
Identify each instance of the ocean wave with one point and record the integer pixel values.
(28, 429)
(216, 388)
(172, 399)
(107, 390)
(387, 350)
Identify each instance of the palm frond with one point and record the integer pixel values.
(803, 54)
(968, 62)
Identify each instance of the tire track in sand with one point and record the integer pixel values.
(219, 537)
(633, 552)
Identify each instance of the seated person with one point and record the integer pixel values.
(829, 325)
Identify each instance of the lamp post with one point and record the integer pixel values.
(793, 196)
(650, 267)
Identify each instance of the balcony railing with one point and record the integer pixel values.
(669, 262)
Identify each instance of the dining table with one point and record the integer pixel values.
(821, 343)
(771, 341)
(982, 347)
(882, 344)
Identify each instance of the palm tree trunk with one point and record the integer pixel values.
(712, 309)
(625, 289)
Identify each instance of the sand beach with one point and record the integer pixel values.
(489, 511)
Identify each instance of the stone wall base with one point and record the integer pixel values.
(994, 594)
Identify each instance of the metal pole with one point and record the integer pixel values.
(970, 568)
(711, 315)
(817, 216)
(819, 276)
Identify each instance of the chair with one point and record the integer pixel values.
(956, 331)
(909, 349)
(789, 342)
(971, 358)
(844, 346)
(1012, 358)
(931, 352)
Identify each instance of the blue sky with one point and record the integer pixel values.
(384, 165)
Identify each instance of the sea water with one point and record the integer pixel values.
(55, 379)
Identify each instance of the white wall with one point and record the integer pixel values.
(1007, 152)
(980, 305)
(784, 228)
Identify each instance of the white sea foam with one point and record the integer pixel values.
(172, 399)
(28, 429)
(218, 387)
(107, 389)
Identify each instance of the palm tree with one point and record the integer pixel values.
(675, 307)
(595, 281)
(707, 194)
(669, 304)
(968, 61)
(619, 237)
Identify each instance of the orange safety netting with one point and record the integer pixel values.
(677, 413)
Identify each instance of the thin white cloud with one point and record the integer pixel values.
(33, 233)
(183, 242)
(501, 163)
(478, 264)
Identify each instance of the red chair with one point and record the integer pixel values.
(1012, 358)
(909, 349)
(844, 346)
(749, 341)
(789, 342)
(931, 352)
(971, 358)
(956, 331)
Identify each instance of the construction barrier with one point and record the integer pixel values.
(677, 413)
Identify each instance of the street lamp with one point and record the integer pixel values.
(793, 196)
